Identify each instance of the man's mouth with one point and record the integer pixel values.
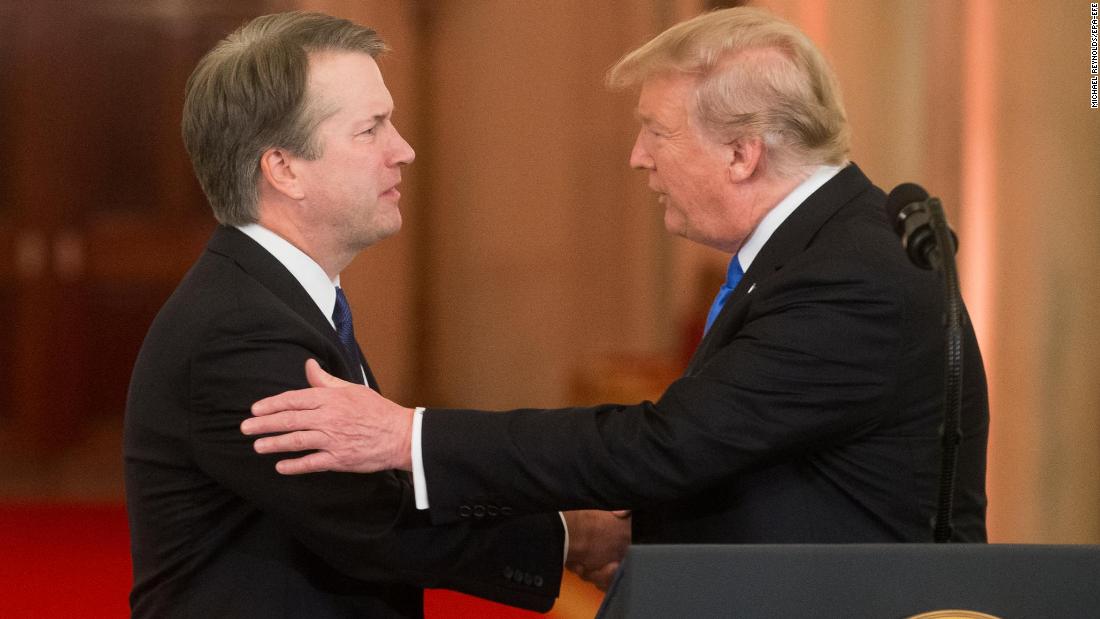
(392, 192)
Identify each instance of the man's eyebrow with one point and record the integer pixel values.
(374, 118)
(648, 120)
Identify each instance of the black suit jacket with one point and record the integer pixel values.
(217, 532)
(808, 414)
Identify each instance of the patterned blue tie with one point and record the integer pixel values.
(345, 330)
(733, 275)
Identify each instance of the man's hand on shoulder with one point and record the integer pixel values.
(350, 427)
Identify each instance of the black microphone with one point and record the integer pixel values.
(909, 209)
(920, 222)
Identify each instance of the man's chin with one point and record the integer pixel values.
(388, 225)
(675, 225)
(379, 232)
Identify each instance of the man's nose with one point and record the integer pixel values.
(639, 156)
(403, 153)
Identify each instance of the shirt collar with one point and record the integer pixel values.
(783, 210)
(308, 273)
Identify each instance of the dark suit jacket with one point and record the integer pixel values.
(808, 414)
(217, 532)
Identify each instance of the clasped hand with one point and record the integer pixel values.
(351, 427)
(597, 542)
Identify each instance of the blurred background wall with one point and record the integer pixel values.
(533, 268)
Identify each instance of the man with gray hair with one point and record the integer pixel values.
(289, 127)
(810, 410)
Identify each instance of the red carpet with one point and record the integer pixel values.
(73, 560)
(64, 561)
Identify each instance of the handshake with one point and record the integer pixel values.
(597, 542)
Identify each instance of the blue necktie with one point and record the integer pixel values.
(345, 330)
(733, 275)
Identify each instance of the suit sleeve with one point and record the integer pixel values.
(809, 367)
(366, 526)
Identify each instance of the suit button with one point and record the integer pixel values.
(479, 511)
(538, 581)
(506, 511)
(528, 579)
(464, 511)
(492, 510)
(517, 576)
(508, 573)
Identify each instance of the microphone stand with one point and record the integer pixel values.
(941, 255)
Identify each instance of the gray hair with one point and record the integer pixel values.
(248, 94)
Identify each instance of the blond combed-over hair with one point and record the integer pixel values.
(758, 75)
(248, 94)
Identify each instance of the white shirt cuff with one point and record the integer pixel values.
(420, 485)
(565, 527)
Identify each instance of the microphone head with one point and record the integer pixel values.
(902, 196)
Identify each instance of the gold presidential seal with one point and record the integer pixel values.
(953, 614)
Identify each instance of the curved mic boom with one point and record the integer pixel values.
(920, 222)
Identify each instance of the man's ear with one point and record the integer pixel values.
(277, 168)
(746, 156)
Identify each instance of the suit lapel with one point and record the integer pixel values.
(371, 382)
(267, 270)
(789, 239)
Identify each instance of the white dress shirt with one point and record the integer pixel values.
(308, 273)
(781, 212)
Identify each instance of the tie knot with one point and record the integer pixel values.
(734, 273)
(733, 276)
(341, 315)
(345, 329)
